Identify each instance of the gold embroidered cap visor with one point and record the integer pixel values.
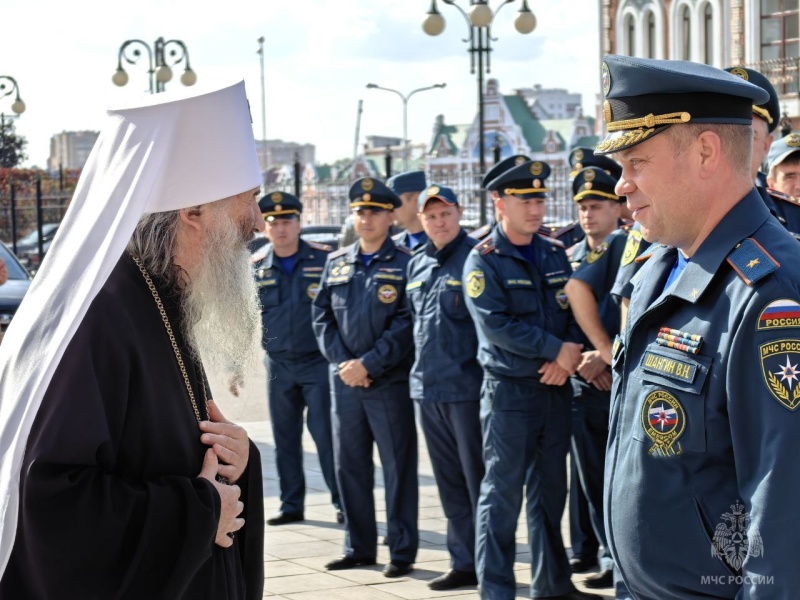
(646, 96)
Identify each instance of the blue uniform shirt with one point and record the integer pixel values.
(520, 311)
(703, 439)
(286, 300)
(445, 367)
(362, 311)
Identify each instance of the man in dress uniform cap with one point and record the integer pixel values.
(504, 165)
(363, 326)
(408, 186)
(705, 383)
(288, 279)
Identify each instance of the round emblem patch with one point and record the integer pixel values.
(276, 196)
(740, 72)
(589, 175)
(606, 78)
(387, 293)
(433, 190)
(367, 184)
(793, 140)
(536, 168)
(561, 298)
(664, 421)
(312, 290)
(476, 283)
(631, 247)
(519, 160)
(597, 253)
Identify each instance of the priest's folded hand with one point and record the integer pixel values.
(228, 440)
(230, 505)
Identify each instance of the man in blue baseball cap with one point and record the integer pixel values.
(701, 460)
(446, 376)
(363, 326)
(408, 186)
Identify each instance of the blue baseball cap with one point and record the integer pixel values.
(645, 96)
(437, 192)
(410, 181)
(782, 148)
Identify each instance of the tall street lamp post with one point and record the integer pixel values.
(405, 98)
(260, 52)
(161, 57)
(479, 17)
(8, 86)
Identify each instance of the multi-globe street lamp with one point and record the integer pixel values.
(405, 98)
(479, 17)
(161, 57)
(8, 86)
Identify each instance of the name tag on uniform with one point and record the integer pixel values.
(312, 272)
(266, 282)
(388, 276)
(518, 283)
(669, 367)
(556, 279)
(414, 285)
(453, 282)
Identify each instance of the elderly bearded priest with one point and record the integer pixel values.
(120, 477)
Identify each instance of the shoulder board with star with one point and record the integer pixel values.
(566, 229)
(784, 197)
(486, 246)
(650, 251)
(751, 261)
(480, 232)
(318, 246)
(553, 241)
(339, 252)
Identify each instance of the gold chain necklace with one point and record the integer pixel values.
(172, 340)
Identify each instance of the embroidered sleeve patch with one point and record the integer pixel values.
(631, 247)
(779, 314)
(664, 421)
(779, 365)
(476, 283)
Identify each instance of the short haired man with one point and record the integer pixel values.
(501, 167)
(446, 377)
(528, 347)
(121, 477)
(363, 326)
(297, 374)
(784, 178)
(702, 430)
(595, 261)
(408, 186)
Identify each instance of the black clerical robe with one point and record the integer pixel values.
(110, 502)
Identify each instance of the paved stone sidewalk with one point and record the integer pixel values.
(294, 554)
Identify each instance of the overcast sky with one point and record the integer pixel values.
(319, 56)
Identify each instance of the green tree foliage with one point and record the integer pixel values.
(12, 145)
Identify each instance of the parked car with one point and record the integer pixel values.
(28, 246)
(13, 290)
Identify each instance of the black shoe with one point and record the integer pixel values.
(397, 568)
(348, 562)
(339, 516)
(581, 565)
(603, 579)
(281, 518)
(573, 595)
(453, 579)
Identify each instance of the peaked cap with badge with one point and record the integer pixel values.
(410, 181)
(593, 183)
(374, 194)
(582, 157)
(501, 167)
(783, 148)
(526, 180)
(769, 111)
(644, 96)
(279, 205)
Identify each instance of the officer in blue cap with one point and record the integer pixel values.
(779, 198)
(528, 346)
(288, 279)
(363, 326)
(703, 439)
(595, 260)
(502, 166)
(408, 186)
(446, 377)
(782, 180)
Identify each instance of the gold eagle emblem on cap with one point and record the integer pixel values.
(740, 72)
(589, 176)
(434, 189)
(536, 168)
(519, 160)
(537, 183)
(793, 140)
(367, 184)
(606, 78)
(276, 196)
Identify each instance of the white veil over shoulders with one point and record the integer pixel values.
(169, 151)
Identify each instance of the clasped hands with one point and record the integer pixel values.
(226, 459)
(353, 373)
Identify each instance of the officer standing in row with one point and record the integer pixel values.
(701, 476)
(297, 374)
(595, 261)
(363, 326)
(501, 167)
(527, 346)
(408, 186)
(446, 377)
(783, 180)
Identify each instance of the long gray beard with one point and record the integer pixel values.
(221, 310)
